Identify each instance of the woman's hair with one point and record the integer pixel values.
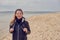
(14, 17)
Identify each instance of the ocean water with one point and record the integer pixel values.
(7, 15)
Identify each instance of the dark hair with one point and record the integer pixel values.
(18, 10)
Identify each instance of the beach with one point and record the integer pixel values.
(43, 27)
(5, 18)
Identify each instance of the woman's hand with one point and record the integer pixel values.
(25, 30)
(11, 30)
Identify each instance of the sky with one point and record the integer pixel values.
(30, 5)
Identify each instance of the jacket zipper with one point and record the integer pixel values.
(18, 33)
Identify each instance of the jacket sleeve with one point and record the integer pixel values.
(28, 27)
(10, 26)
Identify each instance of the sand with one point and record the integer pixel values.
(43, 27)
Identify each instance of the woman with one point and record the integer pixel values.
(19, 27)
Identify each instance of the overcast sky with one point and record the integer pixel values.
(30, 5)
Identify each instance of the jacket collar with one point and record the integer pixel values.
(23, 19)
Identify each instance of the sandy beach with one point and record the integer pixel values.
(43, 27)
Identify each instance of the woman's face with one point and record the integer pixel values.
(19, 14)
